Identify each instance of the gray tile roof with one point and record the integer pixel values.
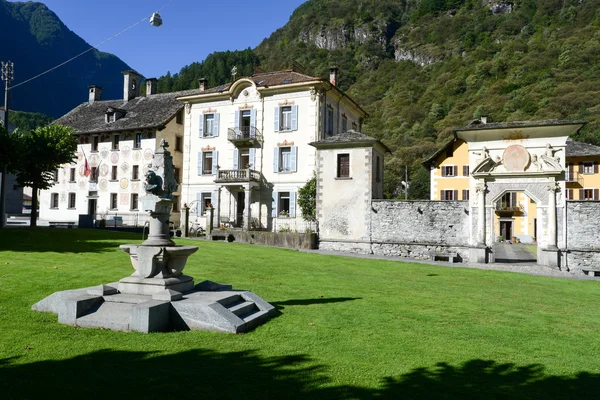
(140, 113)
(578, 149)
(350, 137)
(477, 124)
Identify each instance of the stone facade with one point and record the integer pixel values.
(583, 235)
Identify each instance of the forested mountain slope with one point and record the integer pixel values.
(422, 67)
(35, 39)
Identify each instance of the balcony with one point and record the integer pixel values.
(244, 136)
(237, 176)
(504, 210)
(573, 177)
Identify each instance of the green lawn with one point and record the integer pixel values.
(348, 328)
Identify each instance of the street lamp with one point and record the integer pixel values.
(7, 76)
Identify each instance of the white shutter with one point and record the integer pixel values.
(294, 117)
(236, 119)
(292, 204)
(276, 118)
(252, 158)
(274, 210)
(276, 159)
(293, 158)
(216, 124)
(215, 162)
(236, 154)
(201, 124)
(199, 163)
(253, 118)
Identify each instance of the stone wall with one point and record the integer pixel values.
(583, 235)
(290, 240)
(411, 229)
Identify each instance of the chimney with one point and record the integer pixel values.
(95, 93)
(131, 84)
(203, 84)
(333, 73)
(151, 84)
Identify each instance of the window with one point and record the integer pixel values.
(137, 142)
(114, 173)
(72, 198)
(589, 168)
(135, 173)
(286, 118)
(205, 202)
(246, 122)
(465, 194)
(113, 201)
(244, 161)
(344, 124)
(72, 175)
(179, 118)
(94, 174)
(569, 194)
(449, 170)
(134, 201)
(343, 165)
(176, 172)
(284, 204)
(115, 143)
(448, 195)
(465, 170)
(55, 177)
(175, 203)
(207, 163)
(209, 125)
(178, 143)
(285, 159)
(95, 141)
(54, 200)
(378, 169)
(588, 194)
(329, 121)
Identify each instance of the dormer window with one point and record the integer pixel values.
(112, 114)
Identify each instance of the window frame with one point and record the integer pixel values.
(72, 201)
(179, 143)
(283, 197)
(137, 140)
(115, 142)
(204, 196)
(207, 155)
(114, 201)
(134, 200)
(114, 173)
(342, 171)
(135, 172)
(54, 201)
(285, 115)
(72, 174)
(206, 131)
(588, 168)
(95, 143)
(286, 150)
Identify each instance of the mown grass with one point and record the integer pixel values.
(348, 328)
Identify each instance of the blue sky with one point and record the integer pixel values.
(192, 29)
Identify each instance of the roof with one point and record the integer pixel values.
(348, 139)
(479, 125)
(579, 149)
(270, 79)
(573, 149)
(143, 112)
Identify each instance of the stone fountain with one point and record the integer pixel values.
(157, 296)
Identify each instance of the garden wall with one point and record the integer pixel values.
(411, 229)
(291, 240)
(583, 235)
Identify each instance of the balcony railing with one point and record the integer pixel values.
(237, 175)
(573, 177)
(243, 134)
(503, 209)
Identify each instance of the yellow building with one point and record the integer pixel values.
(515, 213)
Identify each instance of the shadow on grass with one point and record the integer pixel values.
(307, 302)
(244, 375)
(63, 240)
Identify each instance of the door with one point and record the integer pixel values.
(241, 204)
(92, 207)
(245, 123)
(506, 229)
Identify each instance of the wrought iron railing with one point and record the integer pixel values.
(237, 175)
(243, 133)
(573, 177)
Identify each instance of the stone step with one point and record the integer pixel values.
(243, 309)
(230, 300)
(110, 315)
(251, 321)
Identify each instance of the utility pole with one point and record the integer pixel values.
(7, 76)
(406, 180)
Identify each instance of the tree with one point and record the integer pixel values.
(41, 152)
(307, 199)
(8, 148)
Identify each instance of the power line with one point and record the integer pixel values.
(90, 49)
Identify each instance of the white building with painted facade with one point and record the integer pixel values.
(247, 147)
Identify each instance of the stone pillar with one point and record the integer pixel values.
(481, 189)
(247, 198)
(552, 187)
